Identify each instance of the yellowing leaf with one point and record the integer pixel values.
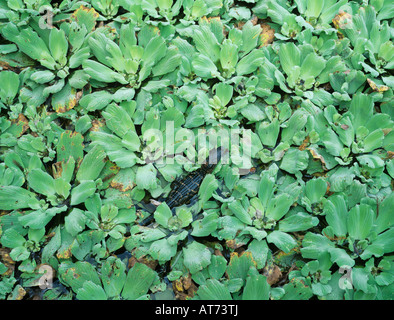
(267, 35)
(376, 87)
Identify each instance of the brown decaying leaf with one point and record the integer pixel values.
(184, 287)
(20, 293)
(319, 157)
(74, 16)
(6, 66)
(57, 169)
(97, 124)
(71, 103)
(146, 261)
(267, 35)
(120, 186)
(232, 244)
(304, 144)
(342, 20)
(375, 87)
(64, 255)
(7, 261)
(273, 274)
(21, 120)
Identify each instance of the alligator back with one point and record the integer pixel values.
(185, 189)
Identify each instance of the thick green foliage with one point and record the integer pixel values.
(83, 83)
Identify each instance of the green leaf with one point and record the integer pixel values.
(101, 72)
(96, 100)
(268, 132)
(91, 291)
(374, 140)
(298, 222)
(13, 197)
(43, 76)
(9, 86)
(314, 244)
(213, 290)
(331, 141)
(163, 214)
(70, 144)
(118, 120)
(41, 182)
(50, 249)
(228, 56)
(40, 218)
(250, 35)
(75, 221)
(207, 43)
(196, 257)
(138, 281)
(207, 187)
(239, 266)
(240, 212)
(295, 124)
(19, 254)
(83, 191)
(30, 43)
(297, 290)
(169, 63)
(361, 107)
(204, 67)
(294, 160)
(385, 219)
(162, 250)
(315, 189)
(205, 226)
(266, 189)
(58, 45)
(282, 240)
(341, 257)
(224, 92)
(217, 268)
(76, 274)
(360, 221)
(113, 276)
(12, 239)
(336, 214)
(259, 250)
(289, 57)
(146, 177)
(154, 51)
(92, 164)
(250, 62)
(82, 245)
(256, 288)
(79, 57)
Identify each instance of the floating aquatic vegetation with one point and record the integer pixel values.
(106, 106)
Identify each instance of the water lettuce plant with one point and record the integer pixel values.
(107, 106)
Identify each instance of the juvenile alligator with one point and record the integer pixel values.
(185, 189)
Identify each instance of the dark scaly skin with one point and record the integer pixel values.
(185, 189)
